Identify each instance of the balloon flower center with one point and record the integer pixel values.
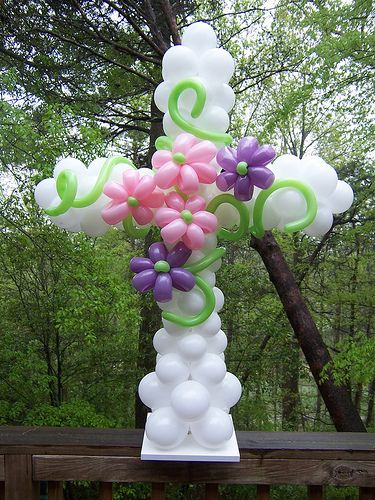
(187, 216)
(162, 266)
(241, 168)
(133, 202)
(178, 158)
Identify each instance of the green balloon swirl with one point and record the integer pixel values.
(67, 183)
(200, 91)
(242, 210)
(257, 229)
(209, 296)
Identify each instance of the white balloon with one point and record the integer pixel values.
(214, 118)
(169, 127)
(152, 392)
(289, 203)
(85, 185)
(209, 327)
(322, 223)
(210, 243)
(319, 175)
(161, 95)
(219, 299)
(271, 218)
(163, 342)
(171, 369)
(117, 172)
(218, 343)
(45, 193)
(209, 370)
(227, 393)
(208, 276)
(214, 429)
(215, 266)
(179, 62)
(174, 329)
(199, 37)
(192, 347)
(195, 256)
(95, 166)
(192, 303)
(190, 400)
(164, 429)
(287, 167)
(341, 199)
(70, 163)
(216, 65)
(223, 96)
(227, 216)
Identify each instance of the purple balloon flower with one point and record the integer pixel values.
(162, 271)
(245, 168)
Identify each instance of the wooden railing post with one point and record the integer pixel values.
(158, 491)
(19, 482)
(263, 492)
(55, 490)
(315, 492)
(2, 490)
(105, 491)
(212, 491)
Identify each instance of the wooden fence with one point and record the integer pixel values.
(29, 455)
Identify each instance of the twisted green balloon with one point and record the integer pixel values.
(67, 184)
(242, 210)
(200, 91)
(209, 296)
(257, 229)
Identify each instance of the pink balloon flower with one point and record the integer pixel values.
(186, 165)
(185, 220)
(136, 196)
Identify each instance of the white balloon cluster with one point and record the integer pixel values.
(191, 390)
(87, 219)
(198, 57)
(286, 205)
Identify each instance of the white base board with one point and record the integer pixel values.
(190, 451)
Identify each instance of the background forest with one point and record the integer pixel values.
(77, 79)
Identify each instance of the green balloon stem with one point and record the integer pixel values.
(67, 183)
(200, 91)
(131, 230)
(209, 259)
(198, 318)
(257, 228)
(242, 210)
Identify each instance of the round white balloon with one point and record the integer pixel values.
(171, 369)
(210, 370)
(227, 393)
(164, 429)
(190, 400)
(192, 347)
(152, 392)
(213, 430)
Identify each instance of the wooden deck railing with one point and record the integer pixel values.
(29, 455)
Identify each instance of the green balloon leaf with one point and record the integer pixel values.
(242, 210)
(257, 229)
(200, 91)
(164, 142)
(66, 186)
(133, 231)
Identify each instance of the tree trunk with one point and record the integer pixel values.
(337, 400)
(290, 389)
